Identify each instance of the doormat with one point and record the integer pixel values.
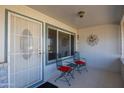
(47, 85)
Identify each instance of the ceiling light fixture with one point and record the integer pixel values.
(81, 14)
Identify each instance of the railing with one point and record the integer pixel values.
(3, 75)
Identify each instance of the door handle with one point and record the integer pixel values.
(40, 53)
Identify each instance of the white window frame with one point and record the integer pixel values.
(122, 38)
(64, 31)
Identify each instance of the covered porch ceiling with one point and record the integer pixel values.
(94, 14)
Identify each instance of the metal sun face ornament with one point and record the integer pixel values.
(92, 40)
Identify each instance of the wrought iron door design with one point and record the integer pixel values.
(24, 51)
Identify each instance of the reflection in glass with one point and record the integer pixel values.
(72, 44)
(52, 41)
(64, 44)
(26, 44)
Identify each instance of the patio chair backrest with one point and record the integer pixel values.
(76, 55)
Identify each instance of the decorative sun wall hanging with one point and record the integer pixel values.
(92, 40)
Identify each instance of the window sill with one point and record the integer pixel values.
(64, 58)
(53, 61)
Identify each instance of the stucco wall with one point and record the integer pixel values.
(105, 55)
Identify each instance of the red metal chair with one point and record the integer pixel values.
(81, 62)
(66, 72)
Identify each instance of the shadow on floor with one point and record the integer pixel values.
(47, 85)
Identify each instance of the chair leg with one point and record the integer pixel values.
(86, 68)
(79, 69)
(65, 75)
(67, 80)
(62, 74)
(71, 74)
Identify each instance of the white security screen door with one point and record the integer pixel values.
(24, 51)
